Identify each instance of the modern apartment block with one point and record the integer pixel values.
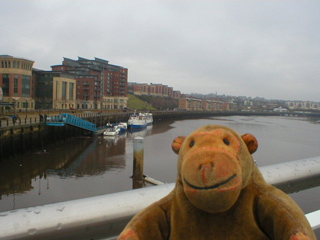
(99, 85)
(16, 81)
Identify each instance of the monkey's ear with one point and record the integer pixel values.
(250, 141)
(177, 142)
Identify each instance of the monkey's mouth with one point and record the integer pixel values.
(212, 186)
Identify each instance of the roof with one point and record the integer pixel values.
(11, 57)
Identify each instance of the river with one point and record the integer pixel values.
(90, 166)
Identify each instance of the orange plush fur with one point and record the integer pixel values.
(219, 194)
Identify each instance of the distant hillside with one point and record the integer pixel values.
(152, 101)
(135, 103)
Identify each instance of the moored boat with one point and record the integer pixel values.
(111, 131)
(122, 126)
(137, 121)
(148, 116)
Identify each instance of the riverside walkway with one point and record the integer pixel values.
(33, 117)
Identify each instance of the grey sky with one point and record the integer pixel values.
(268, 49)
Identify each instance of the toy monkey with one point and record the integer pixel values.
(219, 194)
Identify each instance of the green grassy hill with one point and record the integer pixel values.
(135, 103)
(151, 102)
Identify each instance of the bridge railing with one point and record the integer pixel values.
(104, 217)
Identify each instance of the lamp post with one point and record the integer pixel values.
(26, 108)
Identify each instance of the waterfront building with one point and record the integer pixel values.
(165, 90)
(211, 105)
(196, 104)
(54, 90)
(16, 81)
(153, 90)
(114, 102)
(140, 89)
(303, 105)
(229, 106)
(170, 92)
(97, 83)
(176, 94)
(190, 104)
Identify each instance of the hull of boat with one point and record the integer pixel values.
(138, 126)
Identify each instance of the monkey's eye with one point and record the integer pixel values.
(226, 142)
(191, 144)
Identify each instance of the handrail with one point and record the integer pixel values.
(78, 122)
(105, 216)
(71, 120)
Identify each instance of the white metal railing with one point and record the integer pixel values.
(104, 217)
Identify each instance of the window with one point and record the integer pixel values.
(5, 85)
(71, 91)
(25, 104)
(25, 86)
(64, 90)
(15, 86)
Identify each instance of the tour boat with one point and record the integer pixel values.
(148, 116)
(137, 121)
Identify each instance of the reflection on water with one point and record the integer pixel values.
(16, 175)
(71, 163)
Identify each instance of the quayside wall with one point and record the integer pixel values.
(17, 140)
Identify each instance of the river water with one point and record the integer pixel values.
(90, 166)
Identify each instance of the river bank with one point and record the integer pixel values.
(29, 132)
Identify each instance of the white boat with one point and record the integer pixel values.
(111, 131)
(148, 116)
(122, 126)
(137, 121)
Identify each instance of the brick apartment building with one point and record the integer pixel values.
(99, 85)
(153, 90)
(195, 104)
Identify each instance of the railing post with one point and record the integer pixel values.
(138, 155)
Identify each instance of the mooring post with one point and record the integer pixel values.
(138, 154)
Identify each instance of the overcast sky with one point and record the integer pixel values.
(269, 49)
